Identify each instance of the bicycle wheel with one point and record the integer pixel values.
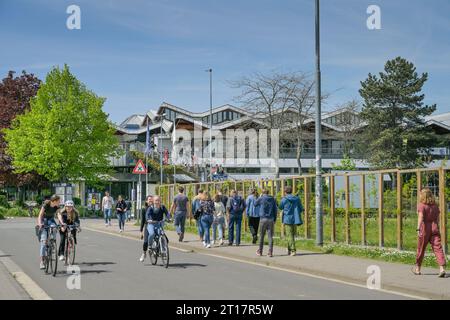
(70, 251)
(47, 260)
(153, 256)
(54, 257)
(164, 249)
(49, 268)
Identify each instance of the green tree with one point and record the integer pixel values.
(396, 135)
(65, 135)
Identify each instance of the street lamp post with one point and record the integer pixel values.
(210, 122)
(319, 222)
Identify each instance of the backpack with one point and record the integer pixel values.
(236, 205)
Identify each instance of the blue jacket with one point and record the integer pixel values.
(195, 205)
(292, 209)
(267, 207)
(252, 211)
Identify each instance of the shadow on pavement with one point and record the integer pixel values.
(62, 273)
(91, 264)
(185, 265)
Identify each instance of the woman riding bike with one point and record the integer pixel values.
(46, 219)
(69, 216)
(155, 216)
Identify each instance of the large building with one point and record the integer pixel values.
(339, 128)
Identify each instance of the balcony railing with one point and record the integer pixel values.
(310, 153)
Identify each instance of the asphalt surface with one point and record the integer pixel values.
(110, 270)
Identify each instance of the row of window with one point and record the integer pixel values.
(218, 117)
(343, 118)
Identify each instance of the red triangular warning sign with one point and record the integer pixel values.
(140, 168)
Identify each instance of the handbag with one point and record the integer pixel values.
(198, 213)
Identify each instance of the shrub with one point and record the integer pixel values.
(4, 202)
(17, 212)
(76, 201)
(3, 212)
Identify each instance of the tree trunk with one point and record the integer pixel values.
(299, 153)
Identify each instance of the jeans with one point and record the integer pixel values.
(107, 213)
(218, 223)
(235, 219)
(43, 236)
(291, 230)
(200, 227)
(206, 221)
(266, 225)
(145, 245)
(180, 221)
(121, 217)
(153, 228)
(253, 224)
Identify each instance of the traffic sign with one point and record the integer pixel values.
(140, 168)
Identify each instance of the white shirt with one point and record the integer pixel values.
(107, 202)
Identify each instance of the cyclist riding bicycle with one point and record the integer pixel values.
(155, 218)
(45, 220)
(69, 216)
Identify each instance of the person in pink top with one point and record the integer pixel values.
(428, 231)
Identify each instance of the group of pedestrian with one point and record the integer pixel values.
(123, 210)
(226, 213)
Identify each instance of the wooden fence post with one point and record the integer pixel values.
(332, 209)
(347, 208)
(363, 210)
(399, 212)
(380, 210)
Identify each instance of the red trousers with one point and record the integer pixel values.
(429, 233)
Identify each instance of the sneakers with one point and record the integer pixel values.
(143, 256)
(42, 265)
(180, 237)
(270, 254)
(61, 258)
(120, 230)
(106, 225)
(258, 253)
(214, 242)
(254, 240)
(221, 242)
(230, 243)
(208, 246)
(293, 253)
(204, 243)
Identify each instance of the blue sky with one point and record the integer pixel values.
(140, 53)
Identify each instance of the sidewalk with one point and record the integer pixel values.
(10, 289)
(395, 277)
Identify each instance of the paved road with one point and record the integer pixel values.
(110, 270)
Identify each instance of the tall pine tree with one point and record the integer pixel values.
(396, 135)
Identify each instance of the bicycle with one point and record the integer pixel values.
(70, 246)
(51, 251)
(159, 247)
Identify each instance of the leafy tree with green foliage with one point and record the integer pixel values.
(65, 135)
(396, 135)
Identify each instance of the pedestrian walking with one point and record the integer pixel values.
(428, 231)
(207, 217)
(179, 207)
(196, 213)
(235, 208)
(143, 228)
(292, 209)
(128, 212)
(121, 209)
(107, 204)
(268, 217)
(219, 220)
(252, 213)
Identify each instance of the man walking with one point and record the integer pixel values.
(292, 208)
(235, 208)
(107, 204)
(252, 214)
(179, 206)
(268, 217)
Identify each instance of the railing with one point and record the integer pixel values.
(386, 213)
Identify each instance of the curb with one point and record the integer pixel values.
(31, 288)
(393, 289)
